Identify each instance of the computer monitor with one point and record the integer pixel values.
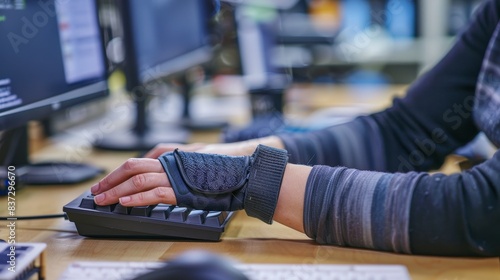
(52, 58)
(255, 25)
(161, 38)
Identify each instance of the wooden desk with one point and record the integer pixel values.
(246, 240)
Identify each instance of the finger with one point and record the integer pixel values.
(136, 184)
(151, 197)
(130, 168)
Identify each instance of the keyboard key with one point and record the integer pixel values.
(161, 211)
(196, 217)
(143, 211)
(179, 214)
(214, 218)
(120, 209)
(106, 208)
(87, 202)
(224, 214)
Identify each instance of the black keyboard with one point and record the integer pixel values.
(160, 221)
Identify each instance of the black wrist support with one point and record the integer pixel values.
(219, 182)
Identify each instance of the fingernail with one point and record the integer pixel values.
(99, 198)
(95, 188)
(125, 199)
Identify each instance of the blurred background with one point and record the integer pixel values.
(271, 57)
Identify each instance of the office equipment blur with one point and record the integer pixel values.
(275, 40)
(305, 31)
(385, 41)
(372, 43)
(265, 83)
(365, 32)
(308, 25)
(194, 265)
(160, 221)
(460, 11)
(329, 41)
(161, 39)
(22, 261)
(52, 58)
(90, 270)
(257, 39)
(403, 24)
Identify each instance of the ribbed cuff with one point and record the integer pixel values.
(264, 182)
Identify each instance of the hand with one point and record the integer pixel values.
(140, 182)
(137, 182)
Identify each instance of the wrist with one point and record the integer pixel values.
(290, 206)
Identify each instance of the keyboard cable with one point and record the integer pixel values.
(41, 217)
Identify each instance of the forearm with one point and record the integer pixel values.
(356, 144)
(412, 213)
(290, 207)
(249, 146)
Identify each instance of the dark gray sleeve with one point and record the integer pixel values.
(412, 213)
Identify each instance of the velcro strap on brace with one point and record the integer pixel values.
(264, 182)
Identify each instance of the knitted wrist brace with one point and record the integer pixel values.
(228, 183)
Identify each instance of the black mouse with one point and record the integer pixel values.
(196, 265)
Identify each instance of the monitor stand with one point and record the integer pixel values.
(14, 152)
(267, 114)
(143, 136)
(188, 122)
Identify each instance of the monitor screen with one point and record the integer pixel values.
(166, 36)
(51, 57)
